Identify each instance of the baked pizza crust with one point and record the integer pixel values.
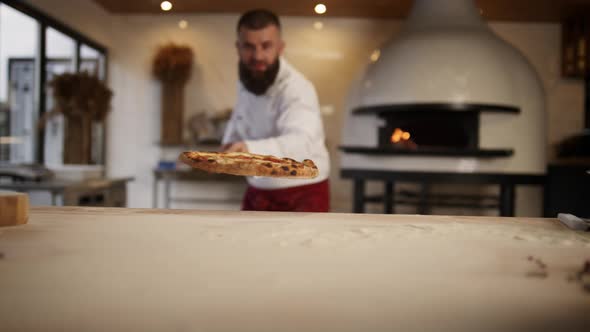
(249, 164)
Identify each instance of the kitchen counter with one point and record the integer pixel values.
(96, 269)
(100, 191)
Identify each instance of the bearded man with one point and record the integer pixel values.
(276, 113)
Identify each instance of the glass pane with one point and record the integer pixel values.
(61, 53)
(61, 58)
(92, 61)
(19, 37)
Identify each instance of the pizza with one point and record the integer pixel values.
(249, 164)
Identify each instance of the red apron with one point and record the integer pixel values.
(308, 198)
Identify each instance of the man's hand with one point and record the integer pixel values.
(234, 147)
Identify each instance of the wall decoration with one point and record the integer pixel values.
(172, 66)
(82, 99)
(575, 41)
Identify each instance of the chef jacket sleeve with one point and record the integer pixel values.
(299, 126)
(230, 134)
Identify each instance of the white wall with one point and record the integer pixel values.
(331, 58)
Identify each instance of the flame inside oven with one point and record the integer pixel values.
(402, 139)
(399, 135)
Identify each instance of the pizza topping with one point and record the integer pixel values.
(240, 157)
(269, 165)
(285, 168)
(274, 160)
(293, 172)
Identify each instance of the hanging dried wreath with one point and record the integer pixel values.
(81, 94)
(172, 66)
(173, 63)
(82, 98)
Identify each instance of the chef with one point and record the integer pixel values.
(276, 113)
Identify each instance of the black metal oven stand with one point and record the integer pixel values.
(506, 182)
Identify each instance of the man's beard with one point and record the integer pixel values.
(258, 85)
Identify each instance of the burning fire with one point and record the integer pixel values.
(401, 140)
(399, 135)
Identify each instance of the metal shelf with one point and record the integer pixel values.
(438, 107)
(430, 151)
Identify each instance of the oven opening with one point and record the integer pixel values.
(439, 130)
(430, 129)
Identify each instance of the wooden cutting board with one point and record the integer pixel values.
(14, 208)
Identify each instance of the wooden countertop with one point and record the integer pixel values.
(93, 269)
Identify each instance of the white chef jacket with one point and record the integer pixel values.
(283, 122)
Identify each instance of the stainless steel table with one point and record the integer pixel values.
(169, 176)
(112, 190)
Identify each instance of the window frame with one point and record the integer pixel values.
(45, 21)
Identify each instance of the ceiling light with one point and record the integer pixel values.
(166, 5)
(320, 8)
(318, 25)
(183, 24)
(375, 55)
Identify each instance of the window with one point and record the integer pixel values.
(60, 58)
(92, 61)
(30, 40)
(19, 38)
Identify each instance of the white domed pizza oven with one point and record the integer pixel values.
(446, 101)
